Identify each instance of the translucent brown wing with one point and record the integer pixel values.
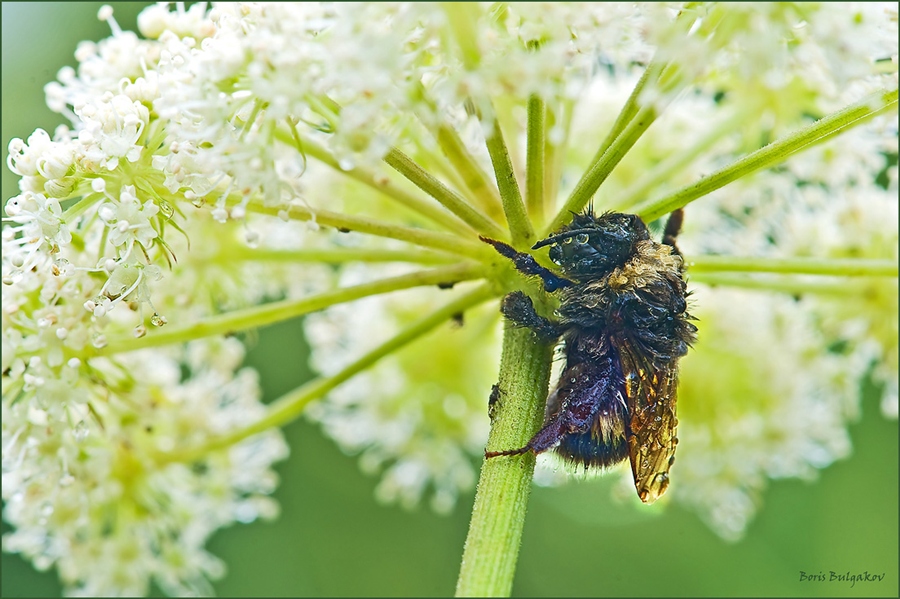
(651, 397)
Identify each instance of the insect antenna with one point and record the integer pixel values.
(562, 236)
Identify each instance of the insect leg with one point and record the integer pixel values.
(545, 438)
(519, 309)
(673, 227)
(525, 263)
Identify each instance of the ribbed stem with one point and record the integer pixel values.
(498, 517)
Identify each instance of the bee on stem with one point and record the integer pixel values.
(623, 323)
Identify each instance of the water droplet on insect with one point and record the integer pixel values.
(567, 240)
(581, 238)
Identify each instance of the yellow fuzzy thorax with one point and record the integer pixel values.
(650, 261)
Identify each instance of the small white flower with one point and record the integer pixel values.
(111, 129)
(130, 220)
(92, 500)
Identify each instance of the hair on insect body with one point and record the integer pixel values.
(623, 324)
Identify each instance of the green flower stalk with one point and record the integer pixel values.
(237, 166)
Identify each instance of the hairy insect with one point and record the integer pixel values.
(624, 324)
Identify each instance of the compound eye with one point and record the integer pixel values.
(582, 238)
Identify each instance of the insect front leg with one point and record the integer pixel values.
(526, 264)
(519, 309)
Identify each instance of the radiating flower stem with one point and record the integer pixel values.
(794, 285)
(846, 267)
(534, 165)
(773, 154)
(675, 163)
(462, 17)
(481, 187)
(376, 181)
(631, 107)
(289, 406)
(510, 196)
(258, 316)
(558, 119)
(498, 517)
(451, 200)
(332, 255)
(601, 168)
(347, 222)
(476, 180)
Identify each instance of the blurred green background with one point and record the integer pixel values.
(334, 539)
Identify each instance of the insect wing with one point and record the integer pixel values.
(651, 395)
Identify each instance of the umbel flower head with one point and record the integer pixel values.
(242, 164)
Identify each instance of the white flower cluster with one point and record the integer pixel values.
(759, 398)
(795, 378)
(838, 201)
(86, 485)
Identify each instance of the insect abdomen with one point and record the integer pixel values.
(584, 448)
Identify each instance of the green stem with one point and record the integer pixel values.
(534, 159)
(468, 170)
(332, 255)
(795, 285)
(498, 517)
(504, 108)
(456, 204)
(846, 267)
(558, 118)
(474, 178)
(258, 316)
(510, 196)
(601, 168)
(675, 163)
(377, 181)
(438, 163)
(289, 406)
(346, 222)
(630, 109)
(632, 121)
(773, 154)
(81, 206)
(463, 18)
